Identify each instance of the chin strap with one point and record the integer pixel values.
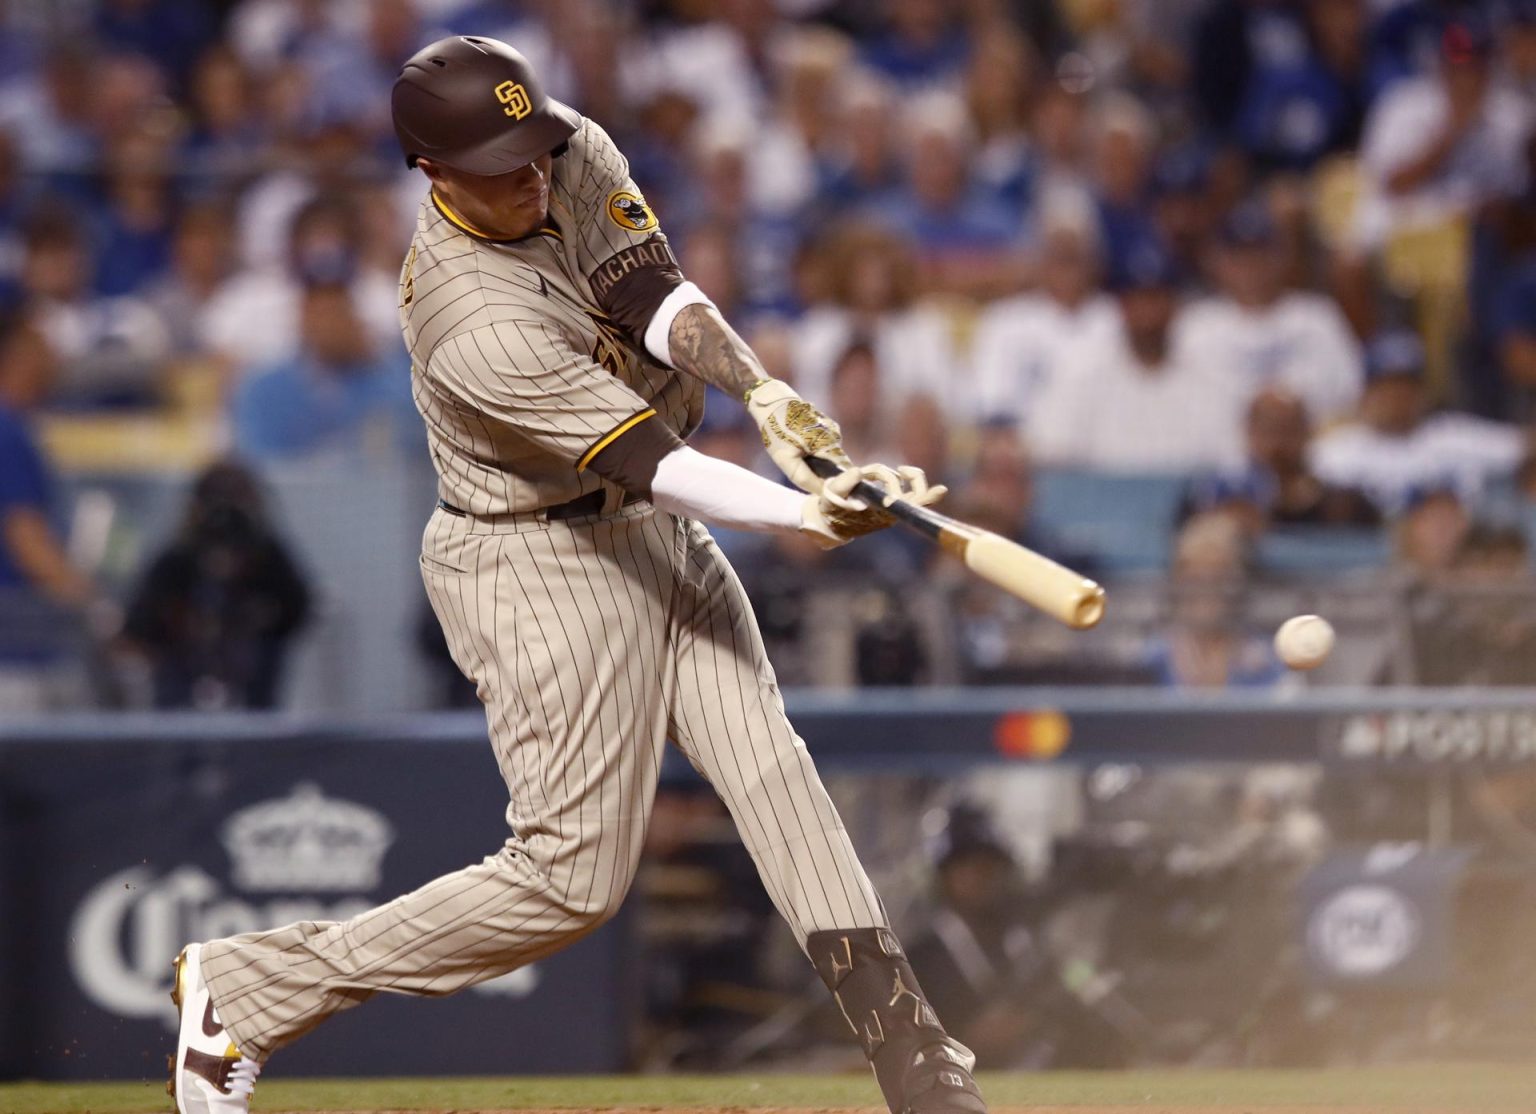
(869, 976)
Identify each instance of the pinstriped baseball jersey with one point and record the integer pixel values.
(591, 639)
(520, 376)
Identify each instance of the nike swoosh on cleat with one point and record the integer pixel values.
(211, 1028)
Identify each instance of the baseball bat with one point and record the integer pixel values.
(1038, 581)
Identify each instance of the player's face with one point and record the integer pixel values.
(503, 206)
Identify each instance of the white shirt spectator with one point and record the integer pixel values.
(1018, 348)
(265, 216)
(781, 172)
(46, 142)
(253, 320)
(1456, 449)
(263, 32)
(708, 64)
(1407, 119)
(1107, 410)
(914, 350)
(1301, 343)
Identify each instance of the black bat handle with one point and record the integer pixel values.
(921, 519)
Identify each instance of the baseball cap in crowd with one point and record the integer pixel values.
(1249, 225)
(1394, 352)
(1143, 266)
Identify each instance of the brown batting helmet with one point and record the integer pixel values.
(476, 105)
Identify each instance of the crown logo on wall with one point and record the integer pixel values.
(307, 841)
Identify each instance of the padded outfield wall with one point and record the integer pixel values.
(122, 837)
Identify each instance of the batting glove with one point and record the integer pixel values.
(792, 430)
(835, 516)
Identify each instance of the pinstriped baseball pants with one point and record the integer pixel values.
(591, 642)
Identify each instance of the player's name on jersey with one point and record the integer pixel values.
(652, 253)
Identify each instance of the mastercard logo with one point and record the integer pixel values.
(1034, 735)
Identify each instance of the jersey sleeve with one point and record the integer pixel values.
(618, 242)
(526, 375)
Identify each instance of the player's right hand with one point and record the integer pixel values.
(836, 516)
(792, 430)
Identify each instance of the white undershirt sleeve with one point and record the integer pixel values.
(690, 484)
(658, 334)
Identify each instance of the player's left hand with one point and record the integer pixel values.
(836, 516)
(792, 430)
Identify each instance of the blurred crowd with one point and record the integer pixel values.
(1283, 249)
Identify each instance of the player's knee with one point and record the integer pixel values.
(596, 899)
(589, 912)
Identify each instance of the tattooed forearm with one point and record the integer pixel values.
(703, 345)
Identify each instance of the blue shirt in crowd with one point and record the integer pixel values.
(297, 408)
(1514, 307)
(908, 63)
(24, 482)
(129, 259)
(171, 33)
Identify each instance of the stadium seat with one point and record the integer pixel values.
(1300, 550)
(1123, 523)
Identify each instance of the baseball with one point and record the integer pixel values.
(1304, 641)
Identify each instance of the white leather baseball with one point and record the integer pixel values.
(1305, 641)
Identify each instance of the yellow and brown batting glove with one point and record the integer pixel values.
(792, 430)
(835, 516)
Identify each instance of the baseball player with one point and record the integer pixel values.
(559, 359)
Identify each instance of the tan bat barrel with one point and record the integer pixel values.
(1058, 591)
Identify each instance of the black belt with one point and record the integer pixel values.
(580, 507)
